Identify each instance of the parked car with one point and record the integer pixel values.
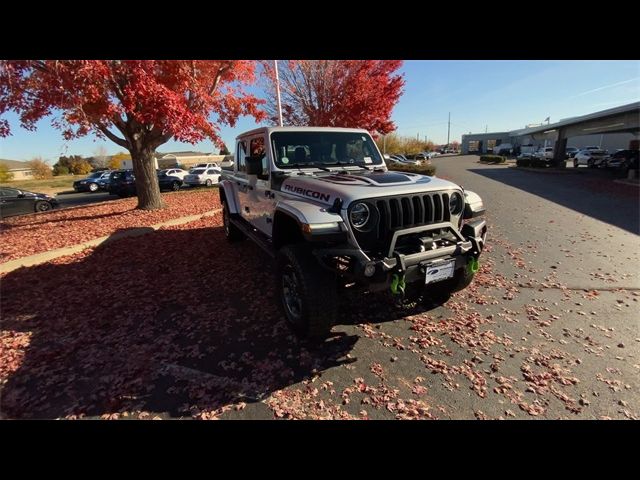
(174, 172)
(570, 152)
(622, 159)
(545, 153)
(590, 157)
(203, 176)
(123, 183)
(91, 183)
(14, 201)
(204, 165)
(503, 149)
(405, 160)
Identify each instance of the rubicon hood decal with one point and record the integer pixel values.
(325, 189)
(307, 192)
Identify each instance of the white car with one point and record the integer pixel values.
(590, 157)
(404, 160)
(503, 149)
(545, 153)
(204, 165)
(203, 176)
(175, 172)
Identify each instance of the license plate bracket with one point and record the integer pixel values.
(437, 272)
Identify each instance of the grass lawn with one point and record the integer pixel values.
(57, 184)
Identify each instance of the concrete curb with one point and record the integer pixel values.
(44, 257)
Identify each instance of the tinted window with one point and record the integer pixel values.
(198, 171)
(8, 192)
(211, 171)
(324, 147)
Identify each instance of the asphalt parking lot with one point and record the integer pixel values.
(549, 329)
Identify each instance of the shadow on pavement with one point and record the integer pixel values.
(593, 193)
(176, 321)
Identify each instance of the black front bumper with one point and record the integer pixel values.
(469, 245)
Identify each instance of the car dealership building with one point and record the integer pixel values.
(612, 129)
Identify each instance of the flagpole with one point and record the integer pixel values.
(275, 64)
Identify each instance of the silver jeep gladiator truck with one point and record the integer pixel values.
(322, 202)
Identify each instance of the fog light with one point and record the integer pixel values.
(369, 270)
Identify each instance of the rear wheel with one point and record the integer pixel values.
(308, 292)
(175, 186)
(208, 183)
(575, 163)
(42, 206)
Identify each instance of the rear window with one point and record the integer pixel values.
(198, 171)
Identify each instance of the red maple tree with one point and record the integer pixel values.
(337, 93)
(138, 104)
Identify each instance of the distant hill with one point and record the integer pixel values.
(13, 164)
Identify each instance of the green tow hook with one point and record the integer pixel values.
(473, 265)
(397, 284)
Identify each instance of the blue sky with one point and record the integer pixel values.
(498, 95)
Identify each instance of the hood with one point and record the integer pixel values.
(325, 188)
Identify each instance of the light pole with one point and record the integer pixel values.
(275, 64)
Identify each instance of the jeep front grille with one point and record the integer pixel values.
(400, 212)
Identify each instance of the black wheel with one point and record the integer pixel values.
(42, 206)
(441, 291)
(175, 186)
(590, 164)
(208, 183)
(232, 232)
(575, 163)
(93, 187)
(308, 292)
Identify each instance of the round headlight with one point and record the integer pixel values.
(359, 215)
(455, 203)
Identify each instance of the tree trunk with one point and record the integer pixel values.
(147, 186)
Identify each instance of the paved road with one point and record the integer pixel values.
(77, 199)
(550, 330)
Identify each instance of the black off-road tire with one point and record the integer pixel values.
(231, 232)
(317, 290)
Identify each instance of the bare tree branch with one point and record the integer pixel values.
(114, 138)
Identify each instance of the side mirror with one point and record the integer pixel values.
(20, 194)
(254, 165)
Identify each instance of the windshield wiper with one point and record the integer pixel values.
(310, 164)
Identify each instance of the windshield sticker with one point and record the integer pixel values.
(284, 160)
(367, 160)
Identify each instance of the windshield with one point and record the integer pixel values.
(96, 175)
(295, 149)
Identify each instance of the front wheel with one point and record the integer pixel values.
(575, 163)
(308, 292)
(93, 187)
(208, 183)
(175, 186)
(231, 232)
(42, 206)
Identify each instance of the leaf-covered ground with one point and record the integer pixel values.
(180, 324)
(30, 234)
